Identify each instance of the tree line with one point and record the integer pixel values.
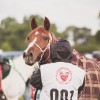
(13, 34)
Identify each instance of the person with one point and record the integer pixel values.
(96, 57)
(60, 79)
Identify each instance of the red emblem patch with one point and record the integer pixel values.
(63, 75)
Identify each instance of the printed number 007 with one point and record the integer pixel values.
(55, 93)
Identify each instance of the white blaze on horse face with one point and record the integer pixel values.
(36, 33)
(30, 45)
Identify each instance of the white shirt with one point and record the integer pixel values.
(61, 80)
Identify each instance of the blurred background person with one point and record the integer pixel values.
(96, 57)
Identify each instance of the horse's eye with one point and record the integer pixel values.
(45, 38)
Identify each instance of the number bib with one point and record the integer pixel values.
(61, 81)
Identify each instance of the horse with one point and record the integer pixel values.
(14, 83)
(41, 40)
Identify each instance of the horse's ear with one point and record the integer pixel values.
(46, 24)
(33, 23)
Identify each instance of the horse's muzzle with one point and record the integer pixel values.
(29, 58)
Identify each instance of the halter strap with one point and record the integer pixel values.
(43, 51)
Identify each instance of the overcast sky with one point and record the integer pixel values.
(62, 12)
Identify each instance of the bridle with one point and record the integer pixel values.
(43, 51)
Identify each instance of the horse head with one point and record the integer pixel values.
(39, 41)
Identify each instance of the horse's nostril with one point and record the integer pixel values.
(31, 55)
(24, 55)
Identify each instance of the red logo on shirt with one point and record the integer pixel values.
(63, 75)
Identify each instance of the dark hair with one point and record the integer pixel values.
(61, 51)
(97, 56)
